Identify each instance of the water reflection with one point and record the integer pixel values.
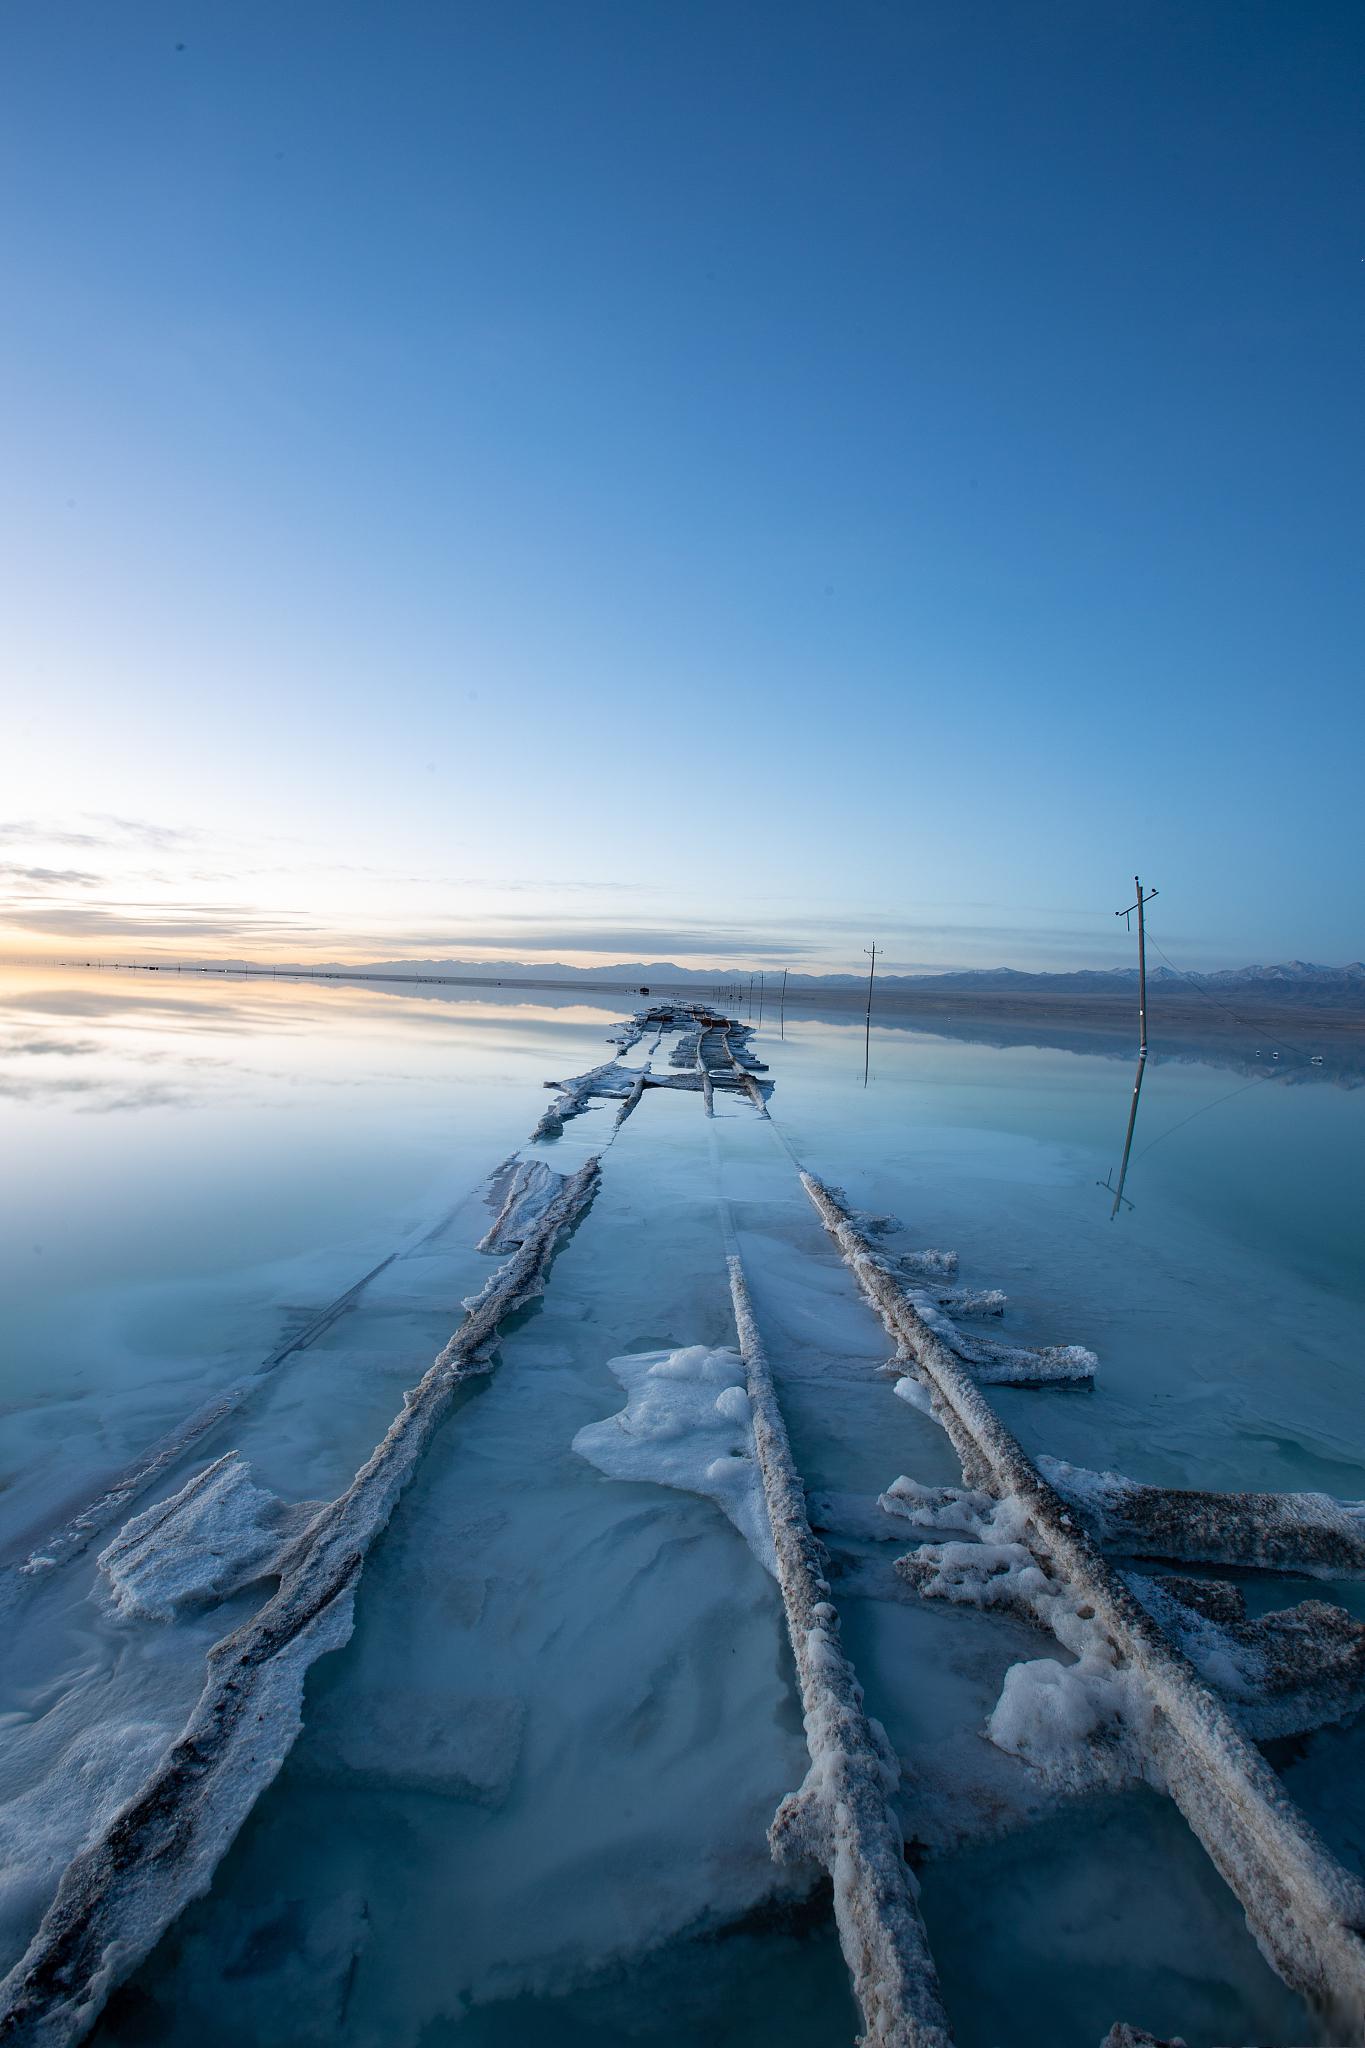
(1328, 1046)
(1338, 1058)
(1119, 1198)
(194, 1168)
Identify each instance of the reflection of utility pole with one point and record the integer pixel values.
(782, 1005)
(867, 1033)
(751, 995)
(761, 979)
(1126, 915)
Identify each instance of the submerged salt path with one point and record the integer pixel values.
(899, 1998)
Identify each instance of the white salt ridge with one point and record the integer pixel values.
(1284, 1673)
(218, 1534)
(687, 1423)
(1004, 1365)
(841, 1815)
(881, 1518)
(930, 1263)
(992, 1363)
(916, 1393)
(971, 1301)
(1078, 1725)
(136, 1872)
(610, 1079)
(525, 1196)
(79, 1777)
(935, 1507)
(630, 1033)
(1303, 1907)
(1307, 1532)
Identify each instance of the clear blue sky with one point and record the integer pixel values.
(715, 480)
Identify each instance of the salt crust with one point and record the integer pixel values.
(218, 1534)
(687, 1424)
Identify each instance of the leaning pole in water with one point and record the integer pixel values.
(1139, 906)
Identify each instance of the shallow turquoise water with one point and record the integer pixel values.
(616, 1641)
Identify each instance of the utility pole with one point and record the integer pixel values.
(1127, 916)
(782, 1005)
(761, 979)
(867, 1033)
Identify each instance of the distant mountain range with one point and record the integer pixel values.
(1291, 981)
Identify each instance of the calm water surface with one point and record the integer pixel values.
(199, 1166)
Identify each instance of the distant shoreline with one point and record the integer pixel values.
(1227, 1018)
(1184, 1010)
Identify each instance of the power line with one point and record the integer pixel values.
(1249, 1023)
(1255, 1082)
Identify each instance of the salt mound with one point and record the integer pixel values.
(687, 1423)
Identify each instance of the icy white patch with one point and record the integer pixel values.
(1303, 1907)
(525, 1198)
(876, 1223)
(1011, 1365)
(218, 1534)
(916, 1393)
(1004, 1365)
(1092, 1491)
(931, 1263)
(1077, 1725)
(610, 1079)
(629, 1034)
(1071, 1723)
(1282, 1673)
(687, 1423)
(83, 1786)
(926, 1265)
(1305, 1532)
(857, 1515)
(971, 1301)
(935, 1507)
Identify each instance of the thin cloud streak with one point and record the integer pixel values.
(70, 921)
(114, 831)
(47, 878)
(49, 1048)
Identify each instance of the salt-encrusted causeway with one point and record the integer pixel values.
(1170, 1681)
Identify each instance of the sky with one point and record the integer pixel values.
(711, 480)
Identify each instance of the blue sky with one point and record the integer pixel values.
(503, 479)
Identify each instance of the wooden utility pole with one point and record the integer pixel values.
(1127, 916)
(782, 1005)
(867, 1033)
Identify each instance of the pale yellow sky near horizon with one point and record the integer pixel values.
(103, 886)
